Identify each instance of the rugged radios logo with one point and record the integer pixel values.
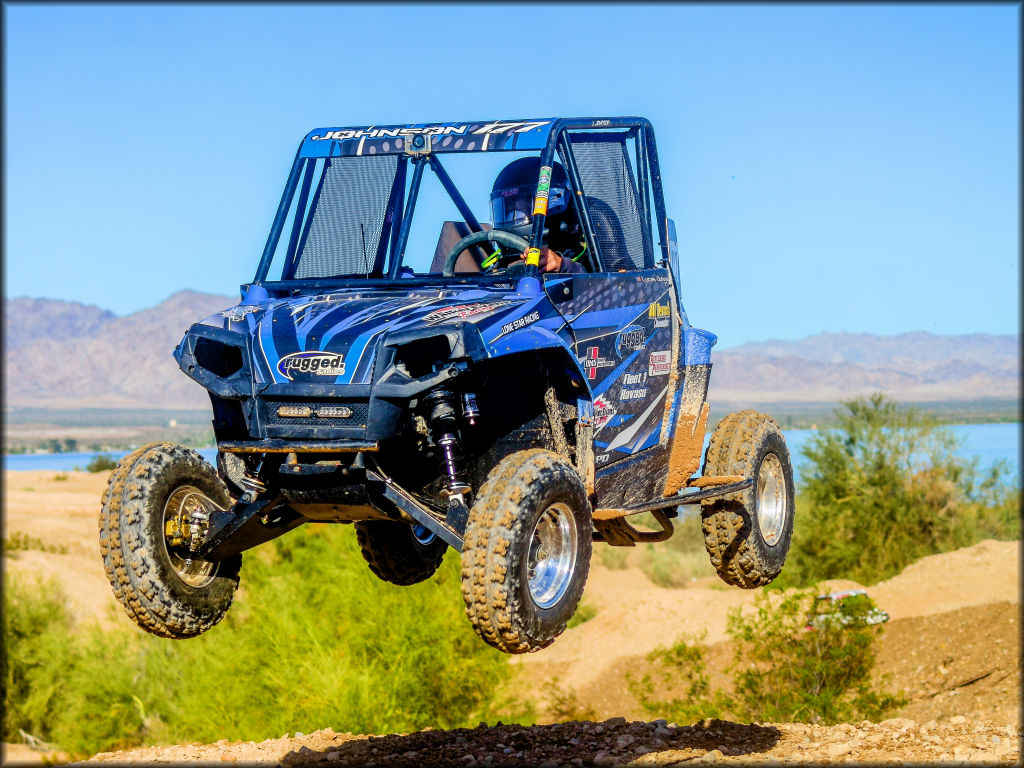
(313, 363)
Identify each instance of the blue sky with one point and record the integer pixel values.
(830, 168)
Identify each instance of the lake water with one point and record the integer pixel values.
(989, 442)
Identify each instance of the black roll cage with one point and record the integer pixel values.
(396, 234)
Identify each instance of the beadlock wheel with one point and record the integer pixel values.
(183, 506)
(552, 558)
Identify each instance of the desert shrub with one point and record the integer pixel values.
(681, 664)
(19, 540)
(886, 487)
(563, 705)
(100, 463)
(679, 560)
(37, 648)
(614, 558)
(313, 640)
(782, 671)
(584, 613)
(787, 672)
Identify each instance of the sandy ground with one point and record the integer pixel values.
(953, 644)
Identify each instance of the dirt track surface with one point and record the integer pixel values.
(953, 645)
(615, 742)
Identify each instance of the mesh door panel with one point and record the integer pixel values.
(610, 190)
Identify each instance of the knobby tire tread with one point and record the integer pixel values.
(126, 548)
(725, 522)
(492, 603)
(393, 555)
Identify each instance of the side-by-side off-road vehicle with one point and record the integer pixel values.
(471, 401)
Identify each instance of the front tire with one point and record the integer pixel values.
(160, 587)
(747, 533)
(526, 553)
(399, 553)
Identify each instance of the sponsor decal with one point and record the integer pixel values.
(533, 257)
(593, 362)
(603, 410)
(521, 322)
(651, 279)
(429, 130)
(632, 379)
(462, 311)
(601, 458)
(500, 127)
(390, 133)
(660, 314)
(540, 205)
(313, 363)
(633, 394)
(660, 363)
(238, 313)
(630, 338)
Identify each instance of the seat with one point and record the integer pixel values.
(451, 233)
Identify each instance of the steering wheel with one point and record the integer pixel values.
(505, 240)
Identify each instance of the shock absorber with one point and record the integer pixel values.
(441, 406)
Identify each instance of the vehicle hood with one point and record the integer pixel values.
(333, 337)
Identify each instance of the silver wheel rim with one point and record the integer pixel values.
(195, 573)
(771, 499)
(552, 557)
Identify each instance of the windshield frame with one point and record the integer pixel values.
(421, 146)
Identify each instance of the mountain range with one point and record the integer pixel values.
(61, 354)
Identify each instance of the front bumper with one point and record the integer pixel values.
(221, 361)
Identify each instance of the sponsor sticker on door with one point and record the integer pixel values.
(659, 363)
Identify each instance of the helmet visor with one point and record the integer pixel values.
(514, 206)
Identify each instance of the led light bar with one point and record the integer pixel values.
(295, 411)
(334, 412)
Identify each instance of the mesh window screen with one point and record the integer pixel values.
(348, 217)
(610, 190)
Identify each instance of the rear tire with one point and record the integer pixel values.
(747, 533)
(526, 554)
(399, 553)
(159, 587)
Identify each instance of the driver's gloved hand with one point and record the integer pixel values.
(517, 269)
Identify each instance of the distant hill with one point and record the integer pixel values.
(915, 366)
(62, 354)
(27, 321)
(121, 362)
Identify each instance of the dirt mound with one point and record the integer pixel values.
(961, 662)
(614, 742)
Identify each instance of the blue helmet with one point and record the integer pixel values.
(514, 190)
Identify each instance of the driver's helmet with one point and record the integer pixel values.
(512, 195)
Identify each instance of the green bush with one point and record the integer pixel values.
(100, 463)
(584, 613)
(886, 487)
(682, 663)
(681, 559)
(37, 651)
(787, 672)
(19, 540)
(782, 671)
(313, 640)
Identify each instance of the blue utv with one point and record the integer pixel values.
(517, 397)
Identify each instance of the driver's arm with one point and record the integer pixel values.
(552, 261)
